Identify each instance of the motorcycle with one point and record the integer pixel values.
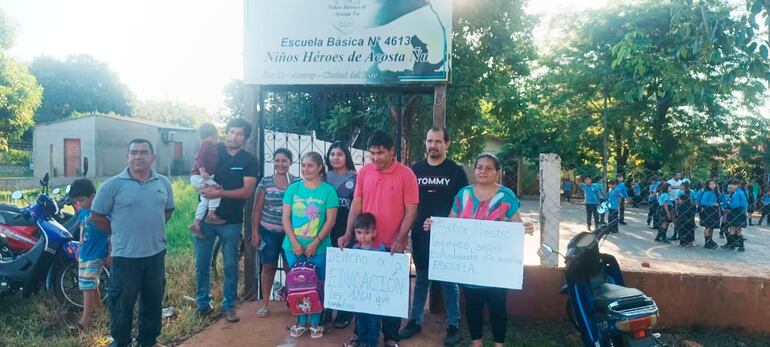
(599, 305)
(52, 259)
(21, 237)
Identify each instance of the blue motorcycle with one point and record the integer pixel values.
(600, 306)
(52, 262)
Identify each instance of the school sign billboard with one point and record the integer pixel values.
(351, 42)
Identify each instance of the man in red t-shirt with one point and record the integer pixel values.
(388, 190)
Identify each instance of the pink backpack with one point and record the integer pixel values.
(304, 289)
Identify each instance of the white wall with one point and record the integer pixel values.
(54, 134)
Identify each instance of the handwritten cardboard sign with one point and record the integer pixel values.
(477, 252)
(367, 282)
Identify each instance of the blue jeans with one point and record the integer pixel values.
(451, 293)
(131, 279)
(368, 329)
(230, 234)
(319, 260)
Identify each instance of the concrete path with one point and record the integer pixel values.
(634, 245)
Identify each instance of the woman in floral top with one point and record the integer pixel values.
(486, 200)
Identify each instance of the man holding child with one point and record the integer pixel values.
(236, 174)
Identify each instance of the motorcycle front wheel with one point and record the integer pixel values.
(66, 288)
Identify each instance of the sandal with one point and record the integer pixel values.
(263, 312)
(352, 342)
(316, 332)
(297, 330)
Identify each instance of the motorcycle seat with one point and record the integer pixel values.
(9, 217)
(608, 293)
(9, 207)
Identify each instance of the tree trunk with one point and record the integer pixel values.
(664, 143)
(409, 111)
(621, 154)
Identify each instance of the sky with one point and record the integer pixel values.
(171, 49)
(181, 50)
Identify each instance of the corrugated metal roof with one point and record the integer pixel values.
(127, 119)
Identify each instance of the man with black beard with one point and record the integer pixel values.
(439, 180)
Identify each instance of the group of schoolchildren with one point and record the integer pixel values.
(613, 201)
(727, 206)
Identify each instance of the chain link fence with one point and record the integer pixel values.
(711, 213)
(16, 161)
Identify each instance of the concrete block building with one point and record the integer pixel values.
(59, 147)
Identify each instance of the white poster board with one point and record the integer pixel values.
(478, 252)
(367, 282)
(356, 42)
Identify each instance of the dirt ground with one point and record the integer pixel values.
(272, 331)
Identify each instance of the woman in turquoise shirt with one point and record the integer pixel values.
(309, 213)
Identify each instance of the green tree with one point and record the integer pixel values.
(667, 77)
(20, 93)
(171, 112)
(80, 83)
(492, 52)
(234, 100)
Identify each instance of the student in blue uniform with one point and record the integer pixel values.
(752, 200)
(652, 200)
(685, 220)
(736, 217)
(665, 211)
(615, 199)
(724, 202)
(681, 209)
(765, 206)
(567, 195)
(708, 200)
(696, 199)
(621, 186)
(591, 200)
(599, 187)
(636, 190)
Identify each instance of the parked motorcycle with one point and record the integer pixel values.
(600, 306)
(50, 261)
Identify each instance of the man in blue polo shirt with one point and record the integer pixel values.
(139, 202)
